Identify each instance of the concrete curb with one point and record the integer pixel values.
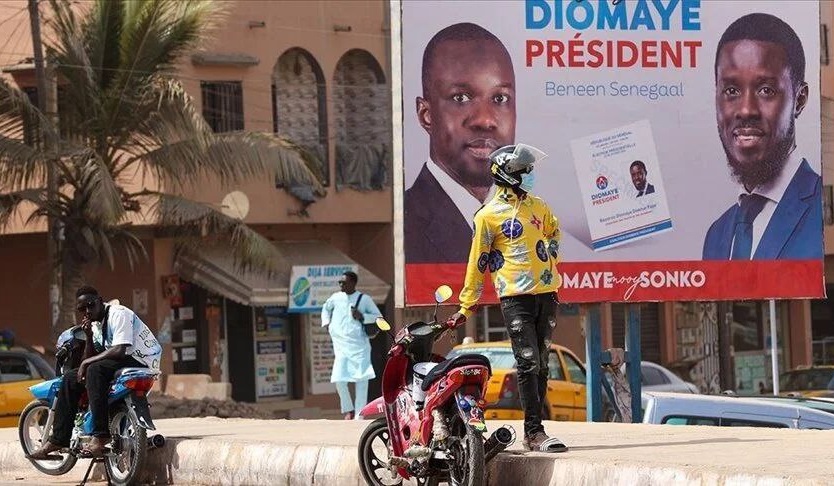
(212, 461)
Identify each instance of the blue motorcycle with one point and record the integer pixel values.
(129, 418)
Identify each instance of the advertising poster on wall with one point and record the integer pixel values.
(683, 142)
(320, 355)
(271, 366)
(311, 285)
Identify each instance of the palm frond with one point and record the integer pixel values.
(21, 163)
(10, 202)
(204, 225)
(97, 190)
(155, 33)
(70, 52)
(231, 158)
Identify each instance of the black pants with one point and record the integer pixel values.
(99, 376)
(530, 319)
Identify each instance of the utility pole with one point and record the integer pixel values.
(44, 96)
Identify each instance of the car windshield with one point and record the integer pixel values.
(811, 379)
(499, 358)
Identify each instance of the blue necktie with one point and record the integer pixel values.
(751, 206)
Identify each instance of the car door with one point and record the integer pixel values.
(560, 399)
(16, 376)
(576, 375)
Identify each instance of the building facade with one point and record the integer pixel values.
(314, 72)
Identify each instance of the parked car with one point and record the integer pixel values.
(815, 381)
(731, 411)
(565, 386)
(19, 369)
(654, 377)
(824, 404)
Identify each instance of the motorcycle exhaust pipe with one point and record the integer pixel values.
(156, 441)
(502, 438)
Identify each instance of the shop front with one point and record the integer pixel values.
(248, 330)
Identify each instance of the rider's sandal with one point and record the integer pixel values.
(48, 456)
(553, 445)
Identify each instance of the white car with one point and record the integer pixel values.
(730, 411)
(653, 377)
(657, 378)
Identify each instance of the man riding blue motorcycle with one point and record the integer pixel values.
(115, 339)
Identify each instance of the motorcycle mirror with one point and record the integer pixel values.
(442, 293)
(383, 324)
(79, 334)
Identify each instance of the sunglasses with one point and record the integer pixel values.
(88, 306)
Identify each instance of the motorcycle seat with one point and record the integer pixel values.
(132, 370)
(458, 361)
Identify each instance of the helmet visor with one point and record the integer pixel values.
(524, 157)
(518, 158)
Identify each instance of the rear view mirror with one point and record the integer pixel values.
(383, 324)
(442, 293)
(79, 334)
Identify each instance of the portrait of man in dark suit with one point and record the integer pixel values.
(760, 91)
(467, 108)
(638, 178)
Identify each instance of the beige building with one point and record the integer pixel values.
(315, 72)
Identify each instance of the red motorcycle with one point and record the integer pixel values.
(433, 428)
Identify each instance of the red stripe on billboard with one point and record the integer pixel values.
(647, 281)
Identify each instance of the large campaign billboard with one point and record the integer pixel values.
(683, 141)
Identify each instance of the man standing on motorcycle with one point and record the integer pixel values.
(516, 237)
(127, 343)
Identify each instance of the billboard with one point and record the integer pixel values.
(683, 141)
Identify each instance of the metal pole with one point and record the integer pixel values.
(774, 348)
(593, 348)
(633, 358)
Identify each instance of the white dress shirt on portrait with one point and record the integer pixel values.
(466, 203)
(773, 192)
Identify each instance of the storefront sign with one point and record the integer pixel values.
(683, 143)
(311, 285)
(320, 356)
(271, 368)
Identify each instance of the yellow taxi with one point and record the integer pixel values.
(19, 369)
(814, 381)
(566, 393)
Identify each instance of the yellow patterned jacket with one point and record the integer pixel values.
(517, 240)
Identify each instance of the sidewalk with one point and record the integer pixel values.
(323, 452)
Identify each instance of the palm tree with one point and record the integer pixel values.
(124, 113)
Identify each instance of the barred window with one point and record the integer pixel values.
(223, 105)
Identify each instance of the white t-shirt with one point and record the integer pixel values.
(125, 327)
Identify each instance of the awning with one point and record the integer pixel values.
(214, 270)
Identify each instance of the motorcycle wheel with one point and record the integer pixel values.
(31, 431)
(126, 464)
(374, 454)
(467, 466)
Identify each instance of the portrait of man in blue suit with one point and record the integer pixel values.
(760, 91)
(467, 108)
(638, 178)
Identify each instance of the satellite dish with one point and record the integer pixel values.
(235, 205)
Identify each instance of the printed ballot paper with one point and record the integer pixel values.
(622, 188)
